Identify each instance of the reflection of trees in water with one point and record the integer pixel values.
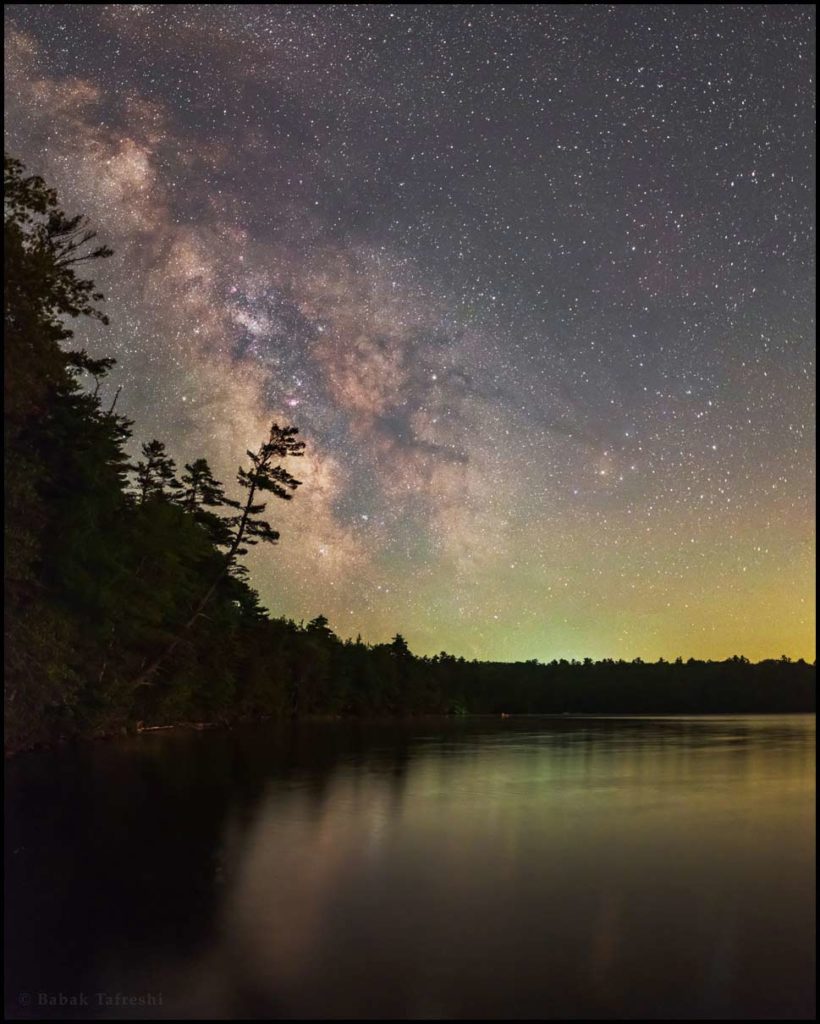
(163, 861)
(121, 851)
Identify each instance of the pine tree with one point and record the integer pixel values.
(399, 648)
(156, 476)
(200, 489)
(56, 439)
(321, 627)
(201, 495)
(263, 475)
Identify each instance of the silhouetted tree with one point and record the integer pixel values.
(108, 579)
(264, 475)
(200, 489)
(320, 627)
(52, 434)
(201, 496)
(398, 647)
(156, 476)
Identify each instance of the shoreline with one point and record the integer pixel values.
(141, 729)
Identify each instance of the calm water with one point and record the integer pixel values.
(526, 867)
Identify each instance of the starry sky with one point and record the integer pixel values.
(536, 283)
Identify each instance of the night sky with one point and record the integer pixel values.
(536, 283)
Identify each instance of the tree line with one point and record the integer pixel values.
(126, 599)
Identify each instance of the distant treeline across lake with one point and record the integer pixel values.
(126, 600)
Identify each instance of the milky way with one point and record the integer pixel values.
(536, 283)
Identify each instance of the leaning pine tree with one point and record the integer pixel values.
(246, 527)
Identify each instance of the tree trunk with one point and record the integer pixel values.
(145, 677)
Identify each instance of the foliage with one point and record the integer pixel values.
(125, 598)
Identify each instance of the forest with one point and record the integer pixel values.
(127, 604)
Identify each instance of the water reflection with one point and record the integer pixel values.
(528, 868)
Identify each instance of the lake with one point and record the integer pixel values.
(525, 867)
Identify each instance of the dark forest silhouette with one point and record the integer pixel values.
(127, 602)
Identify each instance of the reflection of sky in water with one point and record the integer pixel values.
(588, 867)
(641, 866)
